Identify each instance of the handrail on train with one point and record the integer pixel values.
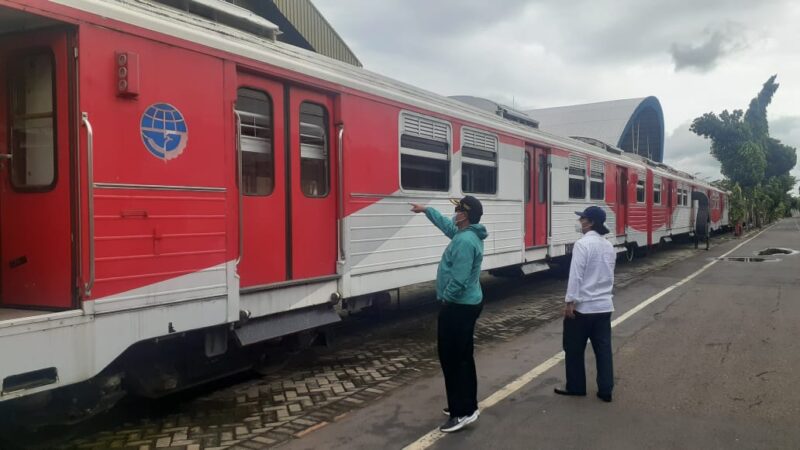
(87, 289)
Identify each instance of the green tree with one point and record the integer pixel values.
(752, 160)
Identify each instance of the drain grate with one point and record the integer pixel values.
(777, 251)
(747, 259)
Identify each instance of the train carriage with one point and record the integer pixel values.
(173, 182)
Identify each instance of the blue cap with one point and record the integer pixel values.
(597, 216)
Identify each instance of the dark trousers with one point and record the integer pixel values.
(456, 328)
(596, 327)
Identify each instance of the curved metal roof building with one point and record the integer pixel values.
(634, 125)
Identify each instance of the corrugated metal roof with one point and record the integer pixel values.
(309, 22)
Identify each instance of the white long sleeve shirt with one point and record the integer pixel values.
(591, 275)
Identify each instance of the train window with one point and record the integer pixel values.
(32, 123)
(657, 191)
(254, 109)
(424, 153)
(478, 162)
(527, 177)
(640, 189)
(596, 181)
(314, 154)
(577, 178)
(542, 181)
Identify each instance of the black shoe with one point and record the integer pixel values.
(446, 411)
(566, 392)
(604, 397)
(457, 423)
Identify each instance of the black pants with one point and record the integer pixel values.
(596, 327)
(456, 329)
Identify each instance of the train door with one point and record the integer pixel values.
(694, 206)
(669, 191)
(36, 252)
(528, 196)
(622, 200)
(287, 183)
(536, 182)
(260, 118)
(312, 184)
(541, 197)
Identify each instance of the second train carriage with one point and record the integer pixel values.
(173, 183)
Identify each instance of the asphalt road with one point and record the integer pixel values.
(712, 363)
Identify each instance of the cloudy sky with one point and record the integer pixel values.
(695, 56)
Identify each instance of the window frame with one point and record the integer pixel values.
(271, 138)
(542, 180)
(326, 147)
(447, 155)
(527, 181)
(641, 183)
(570, 176)
(48, 52)
(657, 181)
(592, 179)
(494, 163)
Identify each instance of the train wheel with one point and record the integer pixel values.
(630, 252)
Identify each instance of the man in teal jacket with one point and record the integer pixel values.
(458, 288)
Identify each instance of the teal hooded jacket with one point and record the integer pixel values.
(458, 277)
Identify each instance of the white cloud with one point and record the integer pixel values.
(550, 53)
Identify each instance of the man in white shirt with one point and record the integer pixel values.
(589, 304)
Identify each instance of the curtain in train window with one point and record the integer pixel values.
(597, 189)
(32, 122)
(577, 178)
(314, 155)
(424, 153)
(478, 162)
(254, 109)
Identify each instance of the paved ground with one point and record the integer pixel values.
(376, 361)
(711, 364)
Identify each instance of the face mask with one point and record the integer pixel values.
(455, 219)
(578, 228)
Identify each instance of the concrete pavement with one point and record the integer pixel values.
(713, 363)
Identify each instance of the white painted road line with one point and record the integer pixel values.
(434, 435)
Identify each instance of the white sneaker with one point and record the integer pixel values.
(457, 423)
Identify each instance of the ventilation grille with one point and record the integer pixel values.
(597, 169)
(480, 141)
(577, 166)
(426, 128)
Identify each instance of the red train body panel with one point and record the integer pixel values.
(237, 184)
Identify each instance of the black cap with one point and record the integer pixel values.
(597, 216)
(471, 205)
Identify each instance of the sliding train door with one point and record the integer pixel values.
(287, 183)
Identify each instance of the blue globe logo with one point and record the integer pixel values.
(164, 131)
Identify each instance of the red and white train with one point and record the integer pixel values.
(175, 192)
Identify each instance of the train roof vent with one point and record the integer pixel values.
(504, 111)
(598, 143)
(226, 13)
